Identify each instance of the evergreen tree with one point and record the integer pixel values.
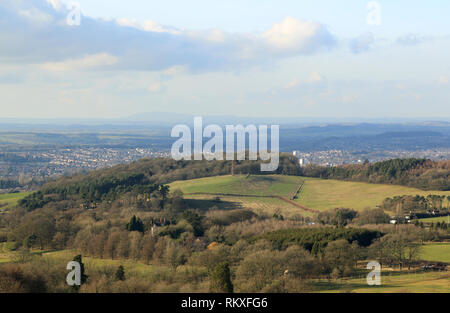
(135, 224)
(221, 279)
(120, 273)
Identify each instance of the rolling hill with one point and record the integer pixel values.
(270, 192)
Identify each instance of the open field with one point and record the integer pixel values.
(201, 193)
(130, 266)
(430, 282)
(317, 194)
(436, 252)
(254, 185)
(322, 194)
(435, 219)
(261, 206)
(11, 199)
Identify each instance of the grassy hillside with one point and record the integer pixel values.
(435, 219)
(436, 252)
(253, 185)
(318, 194)
(322, 194)
(430, 282)
(200, 193)
(8, 200)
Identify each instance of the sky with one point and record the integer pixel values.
(264, 58)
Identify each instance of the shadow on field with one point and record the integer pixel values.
(342, 286)
(205, 204)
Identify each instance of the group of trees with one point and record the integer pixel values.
(420, 173)
(417, 204)
(343, 217)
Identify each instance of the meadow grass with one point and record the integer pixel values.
(253, 185)
(435, 219)
(323, 194)
(11, 199)
(318, 194)
(131, 266)
(421, 282)
(436, 252)
(260, 206)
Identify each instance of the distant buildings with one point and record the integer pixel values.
(302, 161)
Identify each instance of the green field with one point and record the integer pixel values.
(322, 194)
(11, 199)
(262, 185)
(435, 219)
(436, 252)
(391, 282)
(200, 193)
(317, 194)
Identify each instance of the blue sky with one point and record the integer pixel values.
(258, 57)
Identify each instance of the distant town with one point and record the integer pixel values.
(341, 157)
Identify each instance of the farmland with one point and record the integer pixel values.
(435, 219)
(436, 252)
(326, 194)
(391, 282)
(317, 194)
(8, 200)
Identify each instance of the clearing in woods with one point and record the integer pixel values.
(315, 194)
(11, 199)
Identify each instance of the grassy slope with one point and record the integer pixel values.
(431, 282)
(254, 185)
(436, 252)
(324, 194)
(435, 219)
(316, 194)
(7, 200)
(240, 184)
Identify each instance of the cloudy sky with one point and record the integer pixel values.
(322, 58)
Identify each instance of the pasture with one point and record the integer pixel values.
(435, 219)
(323, 194)
(391, 282)
(436, 252)
(11, 199)
(317, 194)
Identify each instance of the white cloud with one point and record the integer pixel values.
(146, 46)
(315, 78)
(155, 87)
(443, 80)
(293, 35)
(85, 63)
(148, 26)
(56, 4)
(293, 83)
(362, 43)
(175, 70)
